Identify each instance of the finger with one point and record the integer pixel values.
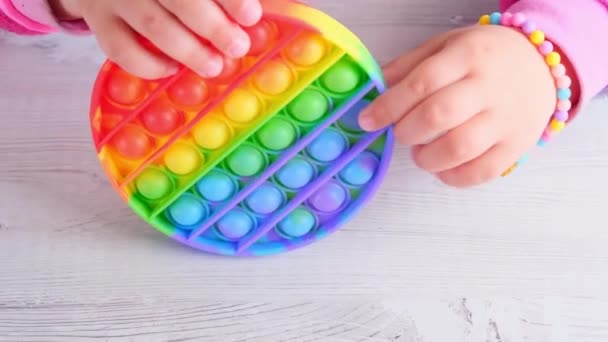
(398, 68)
(119, 43)
(220, 31)
(434, 73)
(483, 169)
(170, 36)
(460, 145)
(440, 112)
(244, 12)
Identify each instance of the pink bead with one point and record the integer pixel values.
(564, 82)
(546, 136)
(546, 48)
(558, 70)
(561, 116)
(506, 19)
(528, 27)
(564, 105)
(518, 19)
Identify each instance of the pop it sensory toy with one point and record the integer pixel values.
(265, 158)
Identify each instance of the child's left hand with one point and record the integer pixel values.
(471, 102)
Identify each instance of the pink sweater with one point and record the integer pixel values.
(564, 21)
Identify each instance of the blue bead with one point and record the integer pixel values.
(523, 160)
(541, 143)
(564, 93)
(495, 18)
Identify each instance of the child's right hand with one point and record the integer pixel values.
(175, 27)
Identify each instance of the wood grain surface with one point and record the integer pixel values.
(521, 259)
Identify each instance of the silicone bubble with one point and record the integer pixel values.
(342, 78)
(306, 50)
(154, 184)
(328, 146)
(296, 174)
(277, 135)
(329, 198)
(124, 88)
(246, 161)
(274, 78)
(132, 142)
(211, 133)
(216, 186)
(361, 170)
(262, 36)
(298, 223)
(161, 118)
(235, 224)
(187, 211)
(230, 69)
(266, 157)
(242, 106)
(183, 159)
(188, 91)
(309, 106)
(265, 199)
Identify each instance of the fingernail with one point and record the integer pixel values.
(239, 47)
(366, 121)
(172, 69)
(168, 70)
(251, 13)
(213, 68)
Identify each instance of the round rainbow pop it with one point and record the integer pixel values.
(265, 158)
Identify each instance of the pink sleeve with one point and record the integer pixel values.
(579, 28)
(32, 17)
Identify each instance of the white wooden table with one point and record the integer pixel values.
(522, 259)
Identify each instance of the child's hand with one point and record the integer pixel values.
(173, 26)
(471, 102)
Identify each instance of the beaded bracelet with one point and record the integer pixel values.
(553, 60)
